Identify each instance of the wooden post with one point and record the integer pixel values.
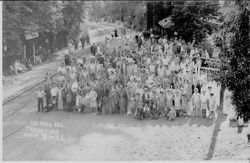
(34, 53)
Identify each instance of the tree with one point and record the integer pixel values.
(234, 68)
(191, 18)
(11, 30)
(74, 15)
(132, 13)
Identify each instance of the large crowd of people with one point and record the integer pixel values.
(143, 78)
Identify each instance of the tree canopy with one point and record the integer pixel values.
(20, 17)
(233, 38)
(192, 18)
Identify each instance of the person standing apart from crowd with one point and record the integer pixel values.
(40, 96)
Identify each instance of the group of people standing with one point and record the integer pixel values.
(149, 78)
(83, 40)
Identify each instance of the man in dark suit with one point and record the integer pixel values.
(93, 49)
(82, 39)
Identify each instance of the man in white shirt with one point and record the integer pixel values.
(62, 68)
(40, 95)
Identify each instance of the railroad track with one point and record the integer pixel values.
(8, 100)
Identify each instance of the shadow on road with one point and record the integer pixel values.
(221, 118)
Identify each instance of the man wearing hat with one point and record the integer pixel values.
(40, 96)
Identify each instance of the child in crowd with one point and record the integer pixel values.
(172, 114)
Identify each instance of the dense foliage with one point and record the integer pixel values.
(20, 17)
(132, 13)
(192, 18)
(233, 38)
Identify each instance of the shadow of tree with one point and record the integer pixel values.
(221, 118)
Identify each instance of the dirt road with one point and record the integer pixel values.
(61, 136)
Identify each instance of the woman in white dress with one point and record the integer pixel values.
(177, 103)
(196, 103)
(204, 103)
(60, 100)
(212, 102)
(93, 102)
